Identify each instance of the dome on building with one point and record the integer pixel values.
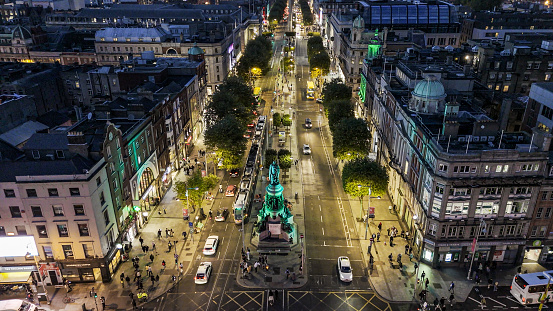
(195, 50)
(21, 33)
(428, 96)
(359, 22)
(429, 88)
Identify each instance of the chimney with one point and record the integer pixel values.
(451, 128)
(77, 143)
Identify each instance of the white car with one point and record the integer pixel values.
(203, 273)
(211, 244)
(306, 149)
(344, 269)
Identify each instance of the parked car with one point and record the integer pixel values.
(231, 189)
(210, 247)
(344, 269)
(306, 149)
(203, 273)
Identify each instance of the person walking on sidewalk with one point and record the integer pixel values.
(378, 236)
(163, 265)
(379, 226)
(406, 249)
(423, 275)
(483, 303)
(426, 284)
(452, 287)
(141, 241)
(158, 236)
(287, 274)
(151, 257)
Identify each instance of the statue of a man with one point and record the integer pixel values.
(273, 173)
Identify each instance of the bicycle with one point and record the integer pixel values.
(68, 299)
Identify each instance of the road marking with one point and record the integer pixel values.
(496, 301)
(321, 218)
(323, 231)
(478, 302)
(320, 209)
(344, 222)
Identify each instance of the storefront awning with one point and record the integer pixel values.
(14, 277)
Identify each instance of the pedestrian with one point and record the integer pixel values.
(143, 248)
(406, 249)
(380, 226)
(103, 301)
(176, 259)
(426, 284)
(128, 279)
(150, 272)
(388, 231)
(287, 273)
(442, 302)
(451, 299)
(171, 233)
(166, 232)
(131, 295)
(157, 278)
(153, 279)
(248, 254)
(151, 257)
(147, 248)
(163, 265)
(483, 303)
(164, 211)
(170, 246)
(141, 241)
(184, 235)
(398, 257)
(276, 295)
(122, 276)
(255, 265)
(158, 235)
(391, 241)
(495, 286)
(410, 257)
(423, 275)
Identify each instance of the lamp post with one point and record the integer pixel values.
(481, 228)
(368, 207)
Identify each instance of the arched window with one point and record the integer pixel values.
(146, 180)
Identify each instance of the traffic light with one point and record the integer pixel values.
(95, 295)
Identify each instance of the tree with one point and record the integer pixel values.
(277, 119)
(226, 137)
(284, 159)
(351, 139)
(233, 97)
(195, 186)
(286, 120)
(255, 59)
(319, 64)
(366, 173)
(338, 110)
(271, 156)
(314, 46)
(335, 89)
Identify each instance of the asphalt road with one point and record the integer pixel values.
(329, 230)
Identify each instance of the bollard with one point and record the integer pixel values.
(296, 195)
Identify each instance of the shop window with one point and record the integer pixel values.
(452, 231)
(42, 233)
(62, 230)
(37, 211)
(15, 211)
(67, 251)
(83, 230)
(58, 210)
(31, 193)
(79, 209)
(48, 252)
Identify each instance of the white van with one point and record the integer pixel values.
(17, 305)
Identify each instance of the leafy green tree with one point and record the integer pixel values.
(277, 119)
(284, 159)
(256, 58)
(287, 63)
(286, 120)
(367, 173)
(271, 155)
(351, 139)
(233, 97)
(335, 89)
(196, 186)
(314, 46)
(338, 110)
(226, 137)
(319, 64)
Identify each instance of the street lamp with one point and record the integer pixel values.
(368, 207)
(481, 228)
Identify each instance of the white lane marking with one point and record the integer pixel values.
(323, 231)
(320, 210)
(496, 301)
(321, 218)
(478, 302)
(344, 222)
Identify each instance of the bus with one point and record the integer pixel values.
(240, 209)
(530, 288)
(310, 94)
(257, 95)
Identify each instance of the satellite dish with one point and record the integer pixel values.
(89, 116)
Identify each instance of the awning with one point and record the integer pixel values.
(15, 277)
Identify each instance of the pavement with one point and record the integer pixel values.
(168, 214)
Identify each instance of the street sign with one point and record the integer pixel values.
(190, 224)
(301, 236)
(185, 213)
(371, 211)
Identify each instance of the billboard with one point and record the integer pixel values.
(18, 246)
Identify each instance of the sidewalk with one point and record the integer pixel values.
(276, 277)
(168, 214)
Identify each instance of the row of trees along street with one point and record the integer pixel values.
(277, 12)
(306, 13)
(256, 59)
(351, 142)
(319, 61)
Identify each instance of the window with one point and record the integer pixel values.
(544, 195)
(83, 230)
(461, 232)
(498, 168)
(58, 210)
(461, 169)
(516, 207)
(37, 211)
(15, 211)
(505, 168)
(529, 65)
(509, 65)
(98, 181)
(457, 208)
(459, 191)
(529, 167)
(21, 230)
(53, 192)
(42, 233)
(88, 252)
(505, 88)
(31, 193)
(62, 230)
(67, 251)
(486, 207)
(548, 212)
(539, 212)
(48, 252)
(9, 193)
(534, 231)
(106, 217)
(537, 65)
(59, 154)
(102, 198)
(452, 231)
(547, 77)
(547, 112)
(508, 77)
(74, 192)
(79, 210)
(543, 229)
(442, 168)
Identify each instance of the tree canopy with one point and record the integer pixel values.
(196, 186)
(233, 97)
(271, 155)
(256, 58)
(335, 89)
(284, 159)
(306, 13)
(366, 173)
(338, 110)
(351, 139)
(226, 137)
